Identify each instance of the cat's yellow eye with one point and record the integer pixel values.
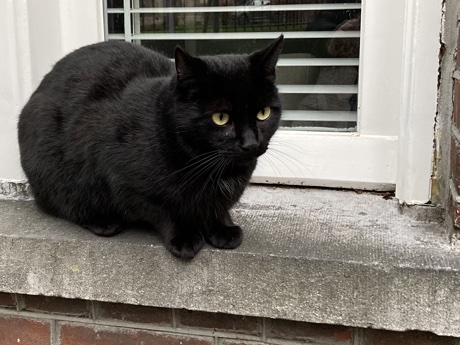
(263, 114)
(220, 119)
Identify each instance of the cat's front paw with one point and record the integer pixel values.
(225, 237)
(185, 246)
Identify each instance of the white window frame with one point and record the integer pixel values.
(397, 97)
(392, 148)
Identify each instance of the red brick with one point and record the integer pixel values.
(22, 331)
(7, 300)
(379, 337)
(221, 322)
(283, 329)
(135, 313)
(56, 305)
(79, 334)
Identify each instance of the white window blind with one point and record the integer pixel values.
(317, 73)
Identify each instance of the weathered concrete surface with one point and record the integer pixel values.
(311, 255)
(18, 190)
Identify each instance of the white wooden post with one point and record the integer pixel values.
(418, 100)
(36, 34)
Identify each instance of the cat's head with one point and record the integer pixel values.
(228, 103)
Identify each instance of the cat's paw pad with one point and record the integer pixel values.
(104, 230)
(225, 237)
(186, 247)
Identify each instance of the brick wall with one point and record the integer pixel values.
(39, 320)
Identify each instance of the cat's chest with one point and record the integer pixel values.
(231, 186)
(210, 192)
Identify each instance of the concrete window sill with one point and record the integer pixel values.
(309, 255)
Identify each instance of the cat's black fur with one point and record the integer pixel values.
(117, 133)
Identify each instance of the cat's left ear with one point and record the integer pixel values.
(266, 59)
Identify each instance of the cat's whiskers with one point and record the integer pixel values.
(297, 163)
(267, 159)
(214, 164)
(288, 144)
(192, 175)
(187, 166)
(281, 156)
(222, 168)
(201, 157)
(203, 160)
(217, 166)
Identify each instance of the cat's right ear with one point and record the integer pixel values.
(265, 60)
(188, 68)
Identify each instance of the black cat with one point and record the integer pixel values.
(117, 133)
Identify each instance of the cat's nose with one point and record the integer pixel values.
(248, 141)
(249, 145)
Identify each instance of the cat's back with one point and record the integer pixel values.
(83, 91)
(103, 70)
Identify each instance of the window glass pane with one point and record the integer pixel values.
(115, 23)
(114, 3)
(317, 72)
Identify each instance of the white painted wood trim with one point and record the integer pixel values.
(246, 35)
(15, 82)
(418, 100)
(329, 160)
(82, 23)
(231, 9)
(36, 34)
(380, 67)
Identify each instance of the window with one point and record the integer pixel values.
(346, 76)
(317, 72)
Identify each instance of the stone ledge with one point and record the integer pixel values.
(309, 255)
